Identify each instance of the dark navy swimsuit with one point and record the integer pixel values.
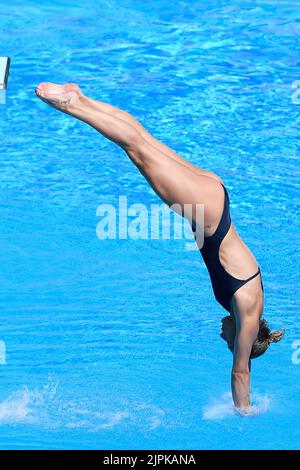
(224, 285)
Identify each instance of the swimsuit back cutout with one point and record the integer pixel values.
(224, 284)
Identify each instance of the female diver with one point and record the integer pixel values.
(233, 270)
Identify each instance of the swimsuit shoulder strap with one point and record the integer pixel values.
(252, 277)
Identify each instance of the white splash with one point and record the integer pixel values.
(48, 407)
(223, 408)
(15, 409)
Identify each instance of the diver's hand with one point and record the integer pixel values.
(243, 411)
(248, 411)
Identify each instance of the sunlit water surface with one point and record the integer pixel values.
(115, 343)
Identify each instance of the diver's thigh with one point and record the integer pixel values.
(175, 183)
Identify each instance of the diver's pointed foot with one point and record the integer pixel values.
(61, 97)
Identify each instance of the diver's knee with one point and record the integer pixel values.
(137, 152)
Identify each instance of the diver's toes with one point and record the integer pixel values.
(41, 86)
(38, 92)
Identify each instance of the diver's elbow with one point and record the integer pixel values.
(240, 374)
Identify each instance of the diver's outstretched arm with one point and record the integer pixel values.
(246, 333)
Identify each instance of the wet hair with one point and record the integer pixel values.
(264, 338)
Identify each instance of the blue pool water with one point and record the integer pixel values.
(115, 343)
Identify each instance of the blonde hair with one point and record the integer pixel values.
(264, 338)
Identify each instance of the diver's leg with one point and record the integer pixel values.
(125, 116)
(172, 180)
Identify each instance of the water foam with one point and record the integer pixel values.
(27, 406)
(15, 408)
(48, 407)
(223, 407)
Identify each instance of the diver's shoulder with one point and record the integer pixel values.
(248, 300)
